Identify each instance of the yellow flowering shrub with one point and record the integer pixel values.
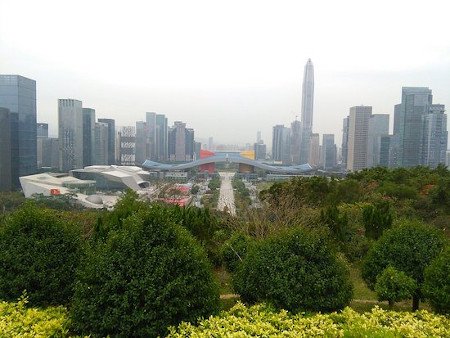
(16, 320)
(262, 321)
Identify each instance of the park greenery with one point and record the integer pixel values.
(379, 237)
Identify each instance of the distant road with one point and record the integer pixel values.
(226, 195)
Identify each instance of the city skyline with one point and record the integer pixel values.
(211, 71)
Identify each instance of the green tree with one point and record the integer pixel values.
(146, 276)
(377, 217)
(234, 250)
(408, 247)
(297, 270)
(393, 285)
(437, 282)
(39, 254)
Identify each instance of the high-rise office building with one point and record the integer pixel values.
(161, 138)
(150, 120)
(408, 124)
(70, 123)
(358, 135)
(180, 142)
(260, 150)
(329, 151)
(127, 137)
(258, 136)
(434, 136)
(111, 139)
(280, 144)
(314, 152)
(344, 142)
(385, 150)
(88, 136)
(378, 127)
(5, 150)
(18, 95)
(307, 110)
(42, 129)
(101, 144)
(296, 142)
(143, 145)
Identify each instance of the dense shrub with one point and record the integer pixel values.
(39, 254)
(18, 320)
(409, 247)
(377, 217)
(148, 275)
(437, 282)
(295, 270)
(393, 285)
(262, 321)
(234, 250)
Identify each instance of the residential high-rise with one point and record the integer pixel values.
(358, 135)
(111, 139)
(378, 127)
(88, 136)
(18, 95)
(280, 144)
(307, 110)
(101, 144)
(5, 150)
(296, 141)
(345, 142)
(127, 137)
(328, 151)
(70, 125)
(434, 136)
(408, 118)
(314, 153)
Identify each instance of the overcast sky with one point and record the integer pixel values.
(227, 68)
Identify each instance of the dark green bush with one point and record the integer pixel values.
(437, 282)
(377, 217)
(234, 250)
(393, 285)
(296, 270)
(408, 247)
(39, 254)
(146, 276)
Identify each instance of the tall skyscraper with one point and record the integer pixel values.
(281, 144)
(434, 136)
(307, 110)
(5, 150)
(329, 151)
(142, 143)
(408, 124)
(345, 142)
(88, 136)
(18, 95)
(161, 138)
(70, 125)
(127, 137)
(296, 141)
(111, 139)
(314, 153)
(150, 119)
(258, 136)
(378, 127)
(181, 142)
(101, 144)
(358, 134)
(42, 129)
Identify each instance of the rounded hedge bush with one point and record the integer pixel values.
(437, 282)
(146, 276)
(408, 247)
(234, 250)
(297, 271)
(39, 254)
(393, 285)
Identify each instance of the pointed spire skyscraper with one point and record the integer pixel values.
(307, 110)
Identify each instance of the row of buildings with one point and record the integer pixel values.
(419, 136)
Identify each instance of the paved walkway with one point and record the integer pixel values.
(226, 195)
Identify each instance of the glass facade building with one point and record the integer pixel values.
(111, 139)
(88, 136)
(18, 95)
(70, 126)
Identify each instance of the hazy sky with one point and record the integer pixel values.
(227, 68)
